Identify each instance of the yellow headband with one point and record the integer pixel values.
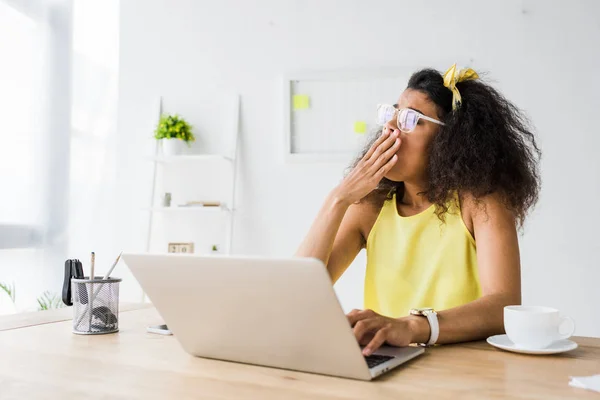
(451, 78)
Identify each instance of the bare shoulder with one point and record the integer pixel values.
(363, 215)
(486, 209)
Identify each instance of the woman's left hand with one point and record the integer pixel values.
(373, 330)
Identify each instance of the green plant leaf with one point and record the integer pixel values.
(173, 126)
(9, 290)
(49, 300)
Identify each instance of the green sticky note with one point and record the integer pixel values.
(360, 127)
(301, 101)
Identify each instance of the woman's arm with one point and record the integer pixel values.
(499, 268)
(335, 236)
(499, 274)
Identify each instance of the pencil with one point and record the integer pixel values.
(91, 301)
(113, 266)
(92, 265)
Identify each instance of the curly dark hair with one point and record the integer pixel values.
(486, 147)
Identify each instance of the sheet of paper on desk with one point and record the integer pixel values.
(586, 382)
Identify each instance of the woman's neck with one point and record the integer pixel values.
(414, 197)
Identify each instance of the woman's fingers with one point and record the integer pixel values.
(386, 168)
(356, 315)
(374, 330)
(379, 148)
(360, 182)
(377, 341)
(385, 157)
(383, 137)
(383, 147)
(365, 326)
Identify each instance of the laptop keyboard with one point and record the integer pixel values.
(375, 359)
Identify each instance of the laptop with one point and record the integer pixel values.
(280, 313)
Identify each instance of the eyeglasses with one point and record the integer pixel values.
(407, 118)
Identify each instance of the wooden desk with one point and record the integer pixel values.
(47, 361)
(22, 320)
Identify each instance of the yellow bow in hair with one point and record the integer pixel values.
(452, 77)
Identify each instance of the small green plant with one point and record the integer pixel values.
(9, 290)
(49, 300)
(173, 126)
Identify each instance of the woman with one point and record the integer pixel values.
(436, 199)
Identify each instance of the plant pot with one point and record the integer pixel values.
(172, 147)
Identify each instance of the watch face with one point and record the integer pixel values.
(420, 311)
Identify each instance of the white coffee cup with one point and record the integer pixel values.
(534, 327)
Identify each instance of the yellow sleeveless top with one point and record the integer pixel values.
(418, 261)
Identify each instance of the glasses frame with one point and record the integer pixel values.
(398, 111)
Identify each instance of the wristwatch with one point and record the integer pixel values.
(433, 323)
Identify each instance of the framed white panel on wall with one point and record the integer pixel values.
(329, 115)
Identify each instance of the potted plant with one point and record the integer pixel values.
(173, 132)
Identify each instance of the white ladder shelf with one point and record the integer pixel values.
(230, 158)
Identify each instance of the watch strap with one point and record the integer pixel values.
(434, 327)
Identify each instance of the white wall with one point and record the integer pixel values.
(543, 55)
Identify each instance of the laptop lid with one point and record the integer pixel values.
(274, 312)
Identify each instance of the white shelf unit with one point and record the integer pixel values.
(229, 159)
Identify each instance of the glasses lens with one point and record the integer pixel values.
(385, 113)
(407, 120)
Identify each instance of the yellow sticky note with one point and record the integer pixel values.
(301, 101)
(360, 127)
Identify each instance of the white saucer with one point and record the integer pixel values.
(504, 343)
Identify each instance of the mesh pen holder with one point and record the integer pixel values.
(95, 305)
